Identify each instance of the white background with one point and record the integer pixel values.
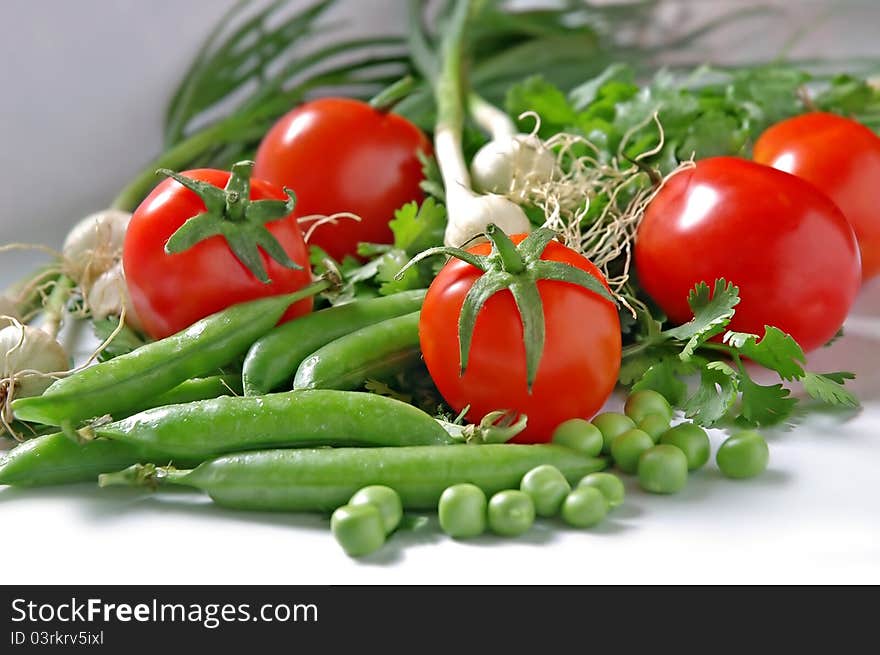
(83, 86)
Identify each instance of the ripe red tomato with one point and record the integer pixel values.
(171, 292)
(842, 158)
(777, 237)
(341, 155)
(579, 366)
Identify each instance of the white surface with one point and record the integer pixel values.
(81, 112)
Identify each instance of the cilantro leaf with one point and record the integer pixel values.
(540, 96)
(432, 182)
(582, 96)
(776, 351)
(765, 405)
(828, 387)
(389, 265)
(418, 227)
(712, 313)
(633, 367)
(662, 377)
(719, 385)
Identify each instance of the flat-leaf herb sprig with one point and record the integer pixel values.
(660, 359)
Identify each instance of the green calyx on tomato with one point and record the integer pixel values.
(232, 214)
(518, 269)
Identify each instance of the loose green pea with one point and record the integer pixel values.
(743, 455)
(579, 435)
(462, 511)
(646, 402)
(663, 469)
(584, 507)
(693, 442)
(608, 483)
(654, 425)
(511, 513)
(611, 424)
(358, 529)
(627, 447)
(547, 487)
(386, 500)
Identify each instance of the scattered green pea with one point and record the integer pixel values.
(584, 507)
(743, 455)
(693, 442)
(611, 424)
(654, 425)
(628, 447)
(462, 511)
(646, 402)
(608, 483)
(358, 529)
(663, 469)
(580, 435)
(547, 487)
(511, 513)
(386, 500)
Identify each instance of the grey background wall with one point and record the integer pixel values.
(83, 84)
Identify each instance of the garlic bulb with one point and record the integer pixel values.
(94, 245)
(25, 352)
(108, 295)
(469, 214)
(511, 164)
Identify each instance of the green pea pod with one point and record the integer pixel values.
(375, 351)
(274, 358)
(114, 386)
(207, 428)
(320, 480)
(56, 459)
(191, 391)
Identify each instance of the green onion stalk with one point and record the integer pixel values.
(468, 213)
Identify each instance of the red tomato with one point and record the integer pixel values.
(579, 366)
(341, 155)
(171, 292)
(842, 158)
(785, 245)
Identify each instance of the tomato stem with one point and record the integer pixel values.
(511, 260)
(230, 213)
(387, 99)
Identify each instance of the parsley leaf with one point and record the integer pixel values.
(719, 385)
(418, 227)
(632, 368)
(712, 313)
(776, 350)
(537, 95)
(765, 405)
(432, 182)
(662, 377)
(389, 266)
(584, 95)
(828, 387)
